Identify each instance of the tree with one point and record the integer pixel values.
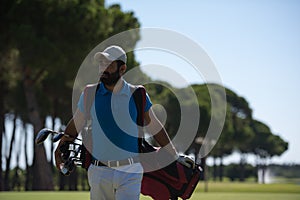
(265, 145)
(51, 38)
(223, 147)
(8, 74)
(241, 117)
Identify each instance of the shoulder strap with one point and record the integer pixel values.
(89, 96)
(87, 144)
(139, 96)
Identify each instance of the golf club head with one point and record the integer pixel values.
(42, 135)
(57, 137)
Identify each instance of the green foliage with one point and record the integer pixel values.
(265, 144)
(52, 38)
(232, 171)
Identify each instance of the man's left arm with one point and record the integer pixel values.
(159, 133)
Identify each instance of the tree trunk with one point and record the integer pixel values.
(52, 145)
(263, 170)
(73, 180)
(62, 182)
(42, 176)
(257, 169)
(8, 159)
(215, 170)
(27, 178)
(2, 114)
(263, 175)
(205, 173)
(221, 169)
(16, 185)
(242, 168)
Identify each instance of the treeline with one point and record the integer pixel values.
(285, 170)
(240, 133)
(232, 172)
(44, 44)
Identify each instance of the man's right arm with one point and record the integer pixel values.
(74, 126)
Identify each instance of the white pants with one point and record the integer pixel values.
(119, 183)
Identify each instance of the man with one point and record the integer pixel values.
(115, 172)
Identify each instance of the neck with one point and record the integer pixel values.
(116, 87)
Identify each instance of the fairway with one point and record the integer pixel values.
(217, 191)
(196, 196)
(245, 196)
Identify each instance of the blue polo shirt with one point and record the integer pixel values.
(114, 129)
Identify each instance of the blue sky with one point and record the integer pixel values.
(255, 46)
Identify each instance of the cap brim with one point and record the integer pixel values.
(101, 55)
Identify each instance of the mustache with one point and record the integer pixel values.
(107, 74)
(109, 78)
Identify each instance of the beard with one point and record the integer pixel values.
(110, 78)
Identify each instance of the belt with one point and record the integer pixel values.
(116, 163)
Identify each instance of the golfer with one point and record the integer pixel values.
(115, 172)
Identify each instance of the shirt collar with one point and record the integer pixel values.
(125, 90)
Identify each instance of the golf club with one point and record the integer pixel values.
(57, 137)
(45, 132)
(70, 150)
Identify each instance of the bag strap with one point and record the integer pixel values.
(139, 96)
(89, 96)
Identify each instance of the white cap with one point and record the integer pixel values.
(111, 53)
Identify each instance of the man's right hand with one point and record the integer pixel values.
(77, 122)
(58, 154)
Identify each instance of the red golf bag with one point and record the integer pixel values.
(171, 182)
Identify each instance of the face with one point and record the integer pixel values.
(109, 72)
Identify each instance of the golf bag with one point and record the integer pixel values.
(170, 182)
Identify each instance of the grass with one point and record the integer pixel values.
(237, 187)
(244, 196)
(44, 195)
(216, 191)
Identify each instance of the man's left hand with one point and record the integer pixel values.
(186, 161)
